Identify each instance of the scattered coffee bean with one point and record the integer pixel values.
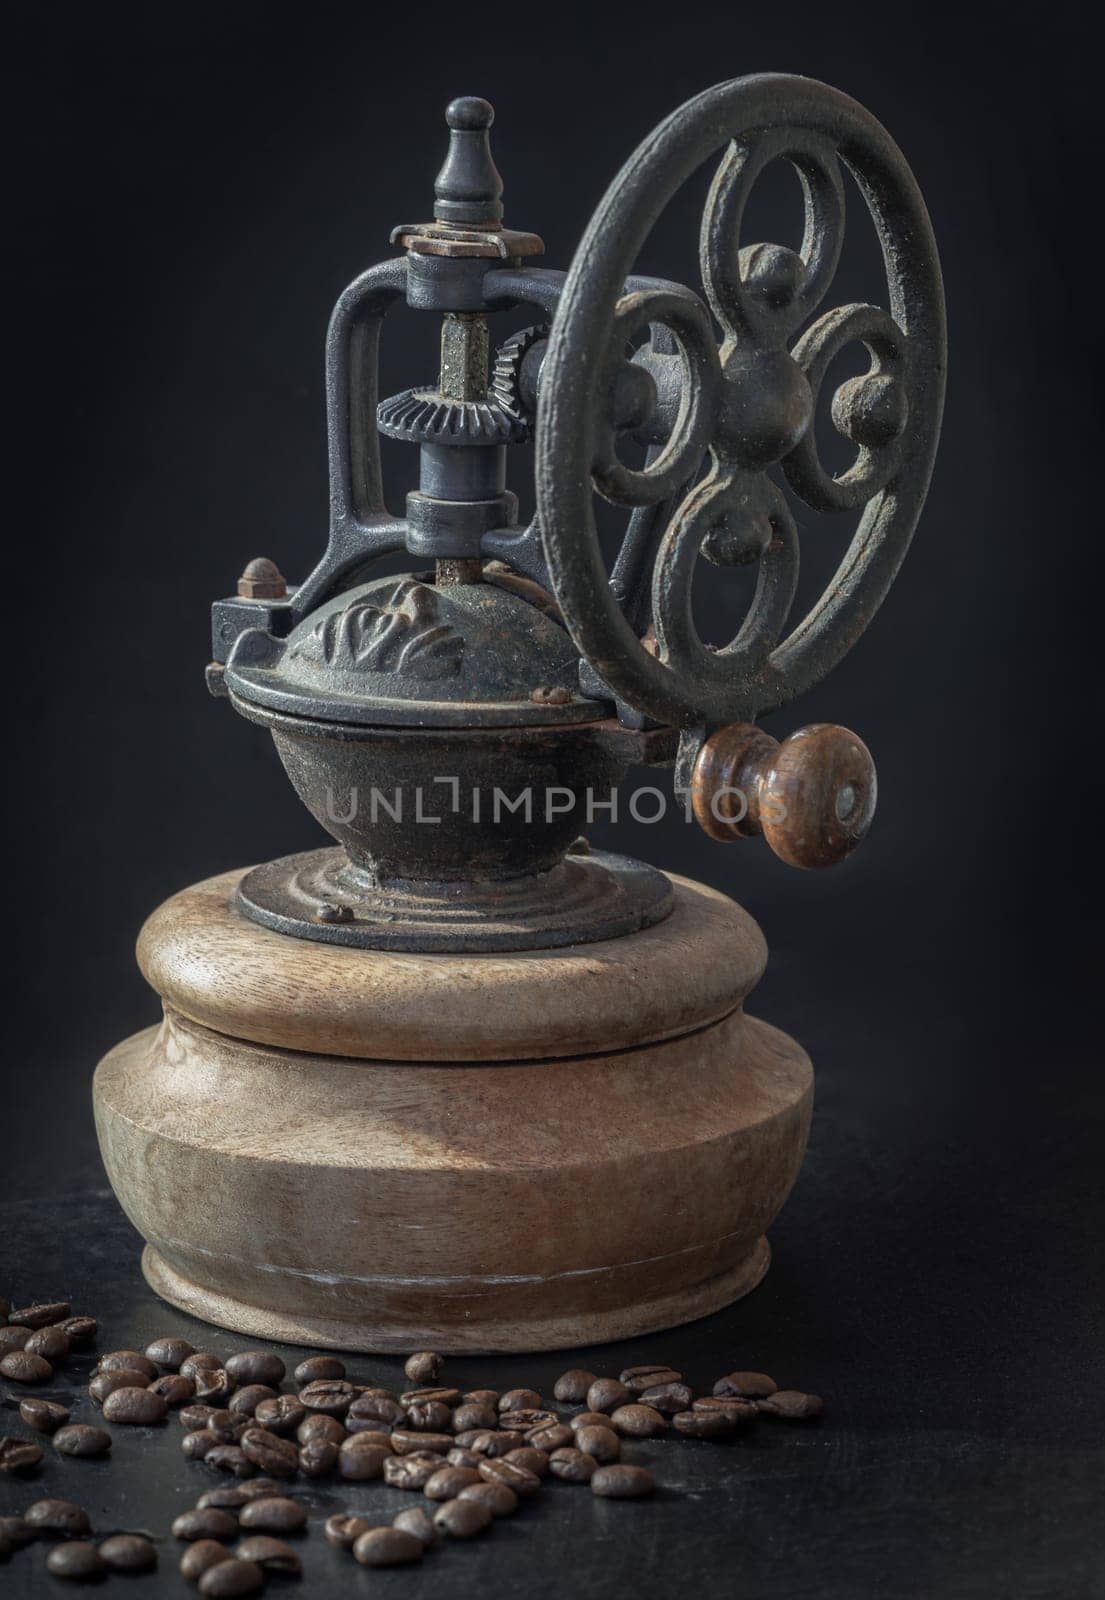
(588, 1419)
(21, 1366)
(469, 1416)
(746, 1385)
(462, 1519)
(411, 1472)
(128, 1361)
(50, 1343)
(273, 1514)
(520, 1479)
(200, 1556)
(169, 1353)
(428, 1416)
(195, 1416)
(319, 1426)
(209, 1523)
(128, 1552)
(199, 1361)
(572, 1466)
(76, 1559)
(523, 1421)
(447, 1482)
(459, 1457)
(198, 1444)
(520, 1400)
(668, 1398)
(792, 1405)
(81, 1330)
(212, 1383)
(233, 1496)
(18, 1455)
(277, 1457)
(244, 1402)
(331, 1396)
(344, 1530)
(271, 1554)
(551, 1437)
(227, 1425)
(738, 1411)
(173, 1389)
(13, 1338)
(482, 1397)
(58, 1518)
(16, 1532)
(704, 1424)
(430, 1391)
(607, 1394)
(404, 1442)
(387, 1547)
(372, 1410)
(318, 1458)
(622, 1482)
(233, 1577)
(136, 1408)
(424, 1366)
(499, 1500)
(229, 1458)
(414, 1520)
(256, 1366)
(41, 1315)
(637, 1422)
(82, 1439)
(489, 1441)
(640, 1378)
(104, 1383)
(571, 1387)
(44, 1416)
(359, 1460)
(316, 1367)
(280, 1414)
(535, 1461)
(602, 1444)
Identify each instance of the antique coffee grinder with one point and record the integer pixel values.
(456, 1080)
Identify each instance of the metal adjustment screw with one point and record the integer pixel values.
(262, 580)
(468, 187)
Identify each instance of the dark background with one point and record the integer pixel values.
(190, 194)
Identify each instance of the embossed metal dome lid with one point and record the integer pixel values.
(404, 650)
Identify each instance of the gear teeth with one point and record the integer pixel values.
(422, 416)
(505, 384)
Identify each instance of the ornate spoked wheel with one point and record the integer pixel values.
(742, 405)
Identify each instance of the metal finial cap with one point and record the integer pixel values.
(469, 188)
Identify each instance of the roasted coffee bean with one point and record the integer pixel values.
(58, 1519)
(271, 1454)
(411, 1472)
(273, 1514)
(271, 1554)
(739, 1411)
(637, 1422)
(668, 1398)
(138, 1408)
(489, 1441)
(373, 1391)
(791, 1404)
(331, 1396)
(233, 1577)
(551, 1437)
(200, 1361)
(571, 1387)
(280, 1414)
(523, 1421)
(104, 1383)
(602, 1444)
(641, 1378)
(622, 1482)
(212, 1383)
(520, 1400)
(227, 1425)
(40, 1315)
(459, 1457)
(387, 1547)
(256, 1366)
(468, 1417)
(198, 1444)
(520, 1479)
(127, 1361)
(128, 1552)
(704, 1424)
(21, 1366)
(447, 1482)
(16, 1532)
(244, 1402)
(82, 1439)
(316, 1367)
(318, 1458)
(482, 1397)
(404, 1442)
(195, 1416)
(359, 1460)
(344, 1530)
(424, 1366)
(200, 1556)
(209, 1523)
(431, 1391)
(232, 1496)
(44, 1416)
(428, 1416)
(572, 1466)
(13, 1338)
(462, 1519)
(319, 1426)
(49, 1343)
(169, 1353)
(588, 1419)
(607, 1394)
(374, 1409)
(535, 1461)
(416, 1520)
(18, 1455)
(173, 1389)
(229, 1458)
(499, 1500)
(81, 1330)
(76, 1559)
(746, 1385)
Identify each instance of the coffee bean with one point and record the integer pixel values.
(233, 1577)
(373, 1391)
(535, 1461)
(16, 1532)
(520, 1400)
(428, 1416)
(667, 1398)
(588, 1419)
(411, 1472)
(316, 1367)
(746, 1385)
(81, 1330)
(199, 1361)
(447, 1482)
(128, 1552)
(49, 1343)
(277, 1457)
(319, 1426)
(489, 1441)
(256, 1366)
(359, 1460)
(40, 1315)
(462, 1519)
(375, 1410)
(23, 1367)
(418, 1521)
(499, 1500)
(44, 1416)
(229, 1458)
(136, 1408)
(195, 1416)
(318, 1458)
(344, 1530)
(427, 1392)
(424, 1366)
(704, 1424)
(331, 1396)
(602, 1444)
(482, 1397)
(520, 1479)
(127, 1361)
(201, 1556)
(571, 1387)
(173, 1389)
(245, 1401)
(280, 1414)
(572, 1466)
(76, 1559)
(637, 1422)
(212, 1383)
(198, 1444)
(104, 1383)
(523, 1421)
(18, 1455)
(738, 1411)
(550, 1437)
(82, 1439)
(404, 1442)
(227, 1425)
(469, 1416)
(58, 1518)
(387, 1547)
(13, 1338)
(622, 1482)
(209, 1523)
(271, 1554)
(458, 1457)
(790, 1404)
(273, 1514)
(169, 1353)
(640, 1378)
(607, 1394)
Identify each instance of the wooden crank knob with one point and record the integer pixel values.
(812, 796)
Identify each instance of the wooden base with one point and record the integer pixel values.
(457, 1200)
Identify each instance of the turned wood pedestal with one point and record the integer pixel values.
(378, 1151)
